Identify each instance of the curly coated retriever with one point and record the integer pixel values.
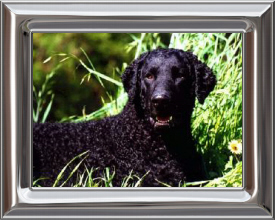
(152, 133)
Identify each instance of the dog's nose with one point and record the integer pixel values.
(160, 100)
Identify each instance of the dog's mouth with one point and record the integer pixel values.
(161, 121)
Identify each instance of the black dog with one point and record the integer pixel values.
(152, 133)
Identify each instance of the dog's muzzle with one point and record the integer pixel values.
(160, 114)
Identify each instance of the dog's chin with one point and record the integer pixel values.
(161, 123)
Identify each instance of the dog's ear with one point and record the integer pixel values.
(131, 75)
(205, 80)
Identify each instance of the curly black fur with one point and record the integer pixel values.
(160, 83)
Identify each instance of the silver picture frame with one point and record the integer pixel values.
(254, 19)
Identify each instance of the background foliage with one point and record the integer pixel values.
(76, 77)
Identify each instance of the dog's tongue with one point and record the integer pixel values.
(161, 118)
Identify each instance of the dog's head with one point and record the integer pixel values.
(164, 83)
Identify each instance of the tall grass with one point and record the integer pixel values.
(214, 124)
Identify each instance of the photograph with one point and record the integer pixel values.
(137, 110)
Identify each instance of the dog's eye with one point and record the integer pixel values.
(181, 74)
(149, 76)
(177, 73)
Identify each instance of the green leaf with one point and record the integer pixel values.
(47, 60)
(48, 109)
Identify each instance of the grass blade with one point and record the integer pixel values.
(60, 175)
(48, 109)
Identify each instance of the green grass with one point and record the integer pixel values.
(214, 124)
(87, 177)
(232, 177)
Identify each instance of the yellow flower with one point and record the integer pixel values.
(235, 147)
